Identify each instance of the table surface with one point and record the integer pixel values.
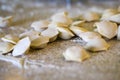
(48, 63)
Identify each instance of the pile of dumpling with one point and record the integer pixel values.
(106, 25)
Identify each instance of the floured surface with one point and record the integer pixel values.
(48, 63)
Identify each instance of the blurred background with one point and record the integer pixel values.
(24, 12)
(50, 6)
(27, 11)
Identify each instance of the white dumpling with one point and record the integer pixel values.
(91, 16)
(61, 18)
(86, 36)
(76, 53)
(65, 33)
(32, 34)
(10, 38)
(78, 30)
(108, 13)
(51, 33)
(40, 25)
(40, 42)
(115, 18)
(6, 47)
(21, 47)
(107, 29)
(96, 44)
